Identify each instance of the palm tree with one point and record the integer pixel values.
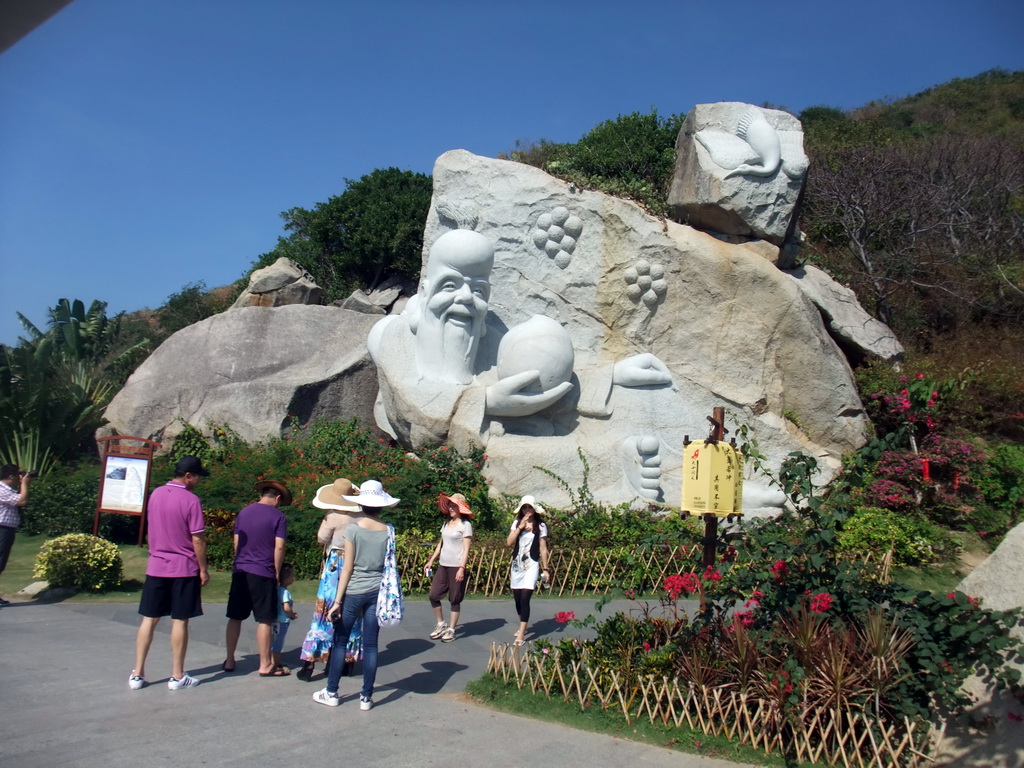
(55, 385)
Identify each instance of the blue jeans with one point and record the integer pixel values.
(354, 608)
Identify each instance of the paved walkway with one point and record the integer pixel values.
(65, 699)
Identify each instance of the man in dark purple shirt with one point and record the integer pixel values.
(260, 532)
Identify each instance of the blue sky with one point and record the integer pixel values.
(148, 145)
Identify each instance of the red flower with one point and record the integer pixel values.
(780, 569)
(821, 603)
(676, 584)
(564, 617)
(712, 574)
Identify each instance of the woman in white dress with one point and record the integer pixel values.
(528, 539)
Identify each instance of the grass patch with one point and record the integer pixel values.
(941, 579)
(492, 692)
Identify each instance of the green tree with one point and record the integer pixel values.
(194, 302)
(55, 384)
(371, 231)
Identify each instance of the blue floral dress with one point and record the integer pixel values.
(320, 638)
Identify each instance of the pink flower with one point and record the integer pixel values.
(821, 603)
(647, 647)
(564, 617)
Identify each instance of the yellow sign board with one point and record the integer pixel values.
(712, 479)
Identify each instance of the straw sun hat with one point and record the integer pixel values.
(372, 494)
(277, 485)
(457, 500)
(529, 501)
(333, 496)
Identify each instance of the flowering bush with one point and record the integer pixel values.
(913, 405)
(813, 631)
(80, 561)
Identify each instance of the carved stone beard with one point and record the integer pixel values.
(446, 351)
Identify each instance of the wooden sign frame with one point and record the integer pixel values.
(124, 481)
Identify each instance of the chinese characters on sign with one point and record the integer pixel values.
(712, 479)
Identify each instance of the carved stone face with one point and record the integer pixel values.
(457, 285)
(454, 295)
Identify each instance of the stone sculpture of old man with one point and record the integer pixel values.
(450, 372)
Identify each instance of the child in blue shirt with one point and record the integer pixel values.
(285, 614)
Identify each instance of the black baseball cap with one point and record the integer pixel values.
(190, 464)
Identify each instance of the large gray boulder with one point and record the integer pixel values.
(283, 282)
(854, 328)
(739, 171)
(251, 369)
(730, 327)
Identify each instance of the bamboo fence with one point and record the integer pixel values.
(579, 571)
(848, 737)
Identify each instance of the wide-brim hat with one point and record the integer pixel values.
(333, 496)
(529, 501)
(277, 485)
(372, 494)
(457, 500)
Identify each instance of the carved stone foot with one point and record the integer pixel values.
(641, 463)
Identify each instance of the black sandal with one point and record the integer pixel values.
(306, 673)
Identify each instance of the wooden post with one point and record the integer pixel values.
(711, 520)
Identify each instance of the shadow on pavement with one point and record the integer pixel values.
(480, 627)
(431, 680)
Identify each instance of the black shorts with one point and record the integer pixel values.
(252, 594)
(179, 597)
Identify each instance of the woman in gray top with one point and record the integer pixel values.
(366, 541)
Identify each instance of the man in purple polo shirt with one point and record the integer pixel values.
(176, 571)
(260, 532)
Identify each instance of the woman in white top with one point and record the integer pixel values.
(320, 637)
(452, 553)
(528, 538)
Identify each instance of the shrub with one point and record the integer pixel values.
(81, 561)
(1002, 484)
(632, 156)
(913, 540)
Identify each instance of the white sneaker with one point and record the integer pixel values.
(324, 697)
(186, 681)
(365, 704)
(135, 681)
(448, 635)
(438, 630)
